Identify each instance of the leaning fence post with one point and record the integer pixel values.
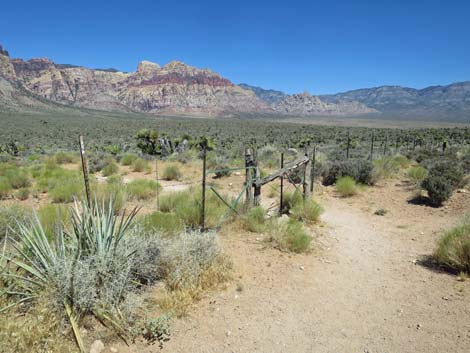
(304, 181)
(312, 169)
(85, 170)
(282, 186)
(203, 203)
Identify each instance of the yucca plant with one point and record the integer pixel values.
(92, 249)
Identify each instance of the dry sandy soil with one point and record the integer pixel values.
(362, 289)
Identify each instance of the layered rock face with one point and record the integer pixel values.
(176, 87)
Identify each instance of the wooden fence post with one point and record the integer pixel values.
(348, 144)
(85, 170)
(203, 203)
(257, 187)
(305, 176)
(282, 186)
(248, 178)
(312, 169)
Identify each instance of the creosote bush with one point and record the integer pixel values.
(439, 189)
(347, 186)
(453, 249)
(110, 169)
(359, 170)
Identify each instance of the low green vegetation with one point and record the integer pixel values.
(453, 249)
(140, 165)
(110, 169)
(142, 189)
(307, 211)
(347, 186)
(168, 224)
(255, 220)
(417, 174)
(171, 172)
(128, 159)
(290, 235)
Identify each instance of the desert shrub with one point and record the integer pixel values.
(66, 192)
(96, 162)
(23, 193)
(385, 168)
(171, 172)
(140, 165)
(142, 189)
(453, 249)
(113, 191)
(184, 157)
(157, 329)
(93, 268)
(290, 200)
(290, 235)
(64, 158)
(417, 174)
(307, 211)
(5, 188)
(347, 186)
(439, 189)
(110, 169)
(52, 217)
(359, 170)
(219, 163)
(168, 224)
(18, 177)
(9, 216)
(452, 172)
(187, 206)
(255, 220)
(128, 159)
(192, 262)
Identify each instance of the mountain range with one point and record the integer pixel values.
(177, 88)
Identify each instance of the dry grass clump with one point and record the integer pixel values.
(255, 220)
(142, 189)
(308, 211)
(171, 172)
(140, 165)
(193, 263)
(453, 249)
(417, 174)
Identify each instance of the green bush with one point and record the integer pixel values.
(255, 220)
(66, 192)
(140, 165)
(385, 168)
(453, 248)
(307, 211)
(142, 189)
(347, 186)
(18, 177)
(360, 170)
(291, 236)
(417, 174)
(290, 200)
(9, 215)
(110, 169)
(128, 159)
(439, 189)
(452, 172)
(168, 224)
(171, 172)
(5, 188)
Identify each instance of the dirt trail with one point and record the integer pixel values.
(360, 291)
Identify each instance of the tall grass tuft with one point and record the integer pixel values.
(347, 186)
(453, 249)
(307, 211)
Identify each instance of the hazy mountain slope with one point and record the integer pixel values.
(270, 96)
(451, 101)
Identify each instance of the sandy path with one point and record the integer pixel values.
(360, 291)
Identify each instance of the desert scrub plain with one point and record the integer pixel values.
(133, 272)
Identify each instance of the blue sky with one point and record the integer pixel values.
(294, 46)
